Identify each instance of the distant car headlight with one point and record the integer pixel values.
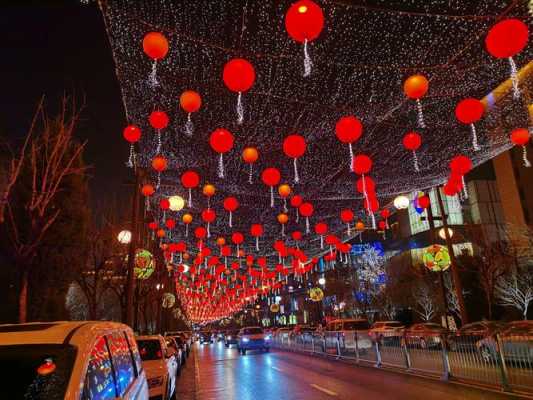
(437, 339)
(229, 337)
(245, 339)
(268, 337)
(153, 382)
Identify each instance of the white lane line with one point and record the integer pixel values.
(324, 390)
(277, 369)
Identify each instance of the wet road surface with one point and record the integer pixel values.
(214, 372)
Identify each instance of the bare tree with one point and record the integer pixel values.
(515, 289)
(52, 155)
(425, 305)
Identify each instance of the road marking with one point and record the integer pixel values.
(323, 390)
(277, 369)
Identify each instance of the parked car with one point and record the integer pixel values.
(345, 330)
(425, 335)
(174, 347)
(160, 364)
(231, 337)
(205, 337)
(253, 338)
(282, 334)
(516, 339)
(70, 360)
(465, 338)
(386, 331)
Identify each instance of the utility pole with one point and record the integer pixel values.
(455, 274)
(130, 279)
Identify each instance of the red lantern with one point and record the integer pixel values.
(271, 177)
(415, 87)
(294, 147)
(132, 134)
(250, 156)
(200, 232)
(304, 22)
(190, 101)
(362, 164)
(159, 120)
(460, 166)
(348, 130)
(256, 230)
(208, 216)
(306, 210)
(147, 190)
(365, 184)
(231, 204)
(239, 76)
(347, 216)
(164, 204)
(170, 223)
(423, 202)
(153, 226)
(467, 112)
(155, 46)
(159, 163)
(382, 225)
(237, 238)
(520, 137)
(385, 214)
(190, 180)
(412, 141)
(321, 229)
(221, 141)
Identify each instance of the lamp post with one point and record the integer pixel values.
(131, 253)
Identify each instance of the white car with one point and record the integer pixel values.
(345, 330)
(253, 338)
(71, 360)
(160, 364)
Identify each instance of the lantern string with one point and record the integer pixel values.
(240, 109)
(230, 219)
(208, 232)
(351, 156)
(283, 230)
(186, 230)
(297, 215)
(220, 166)
(250, 174)
(514, 78)
(158, 180)
(421, 122)
(308, 64)
(189, 126)
(296, 176)
(257, 243)
(475, 144)
(415, 161)
(129, 164)
(527, 164)
(373, 220)
(307, 225)
(152, 79)
(285, 205)
(465, 191)
(159, 144)
(321, 242)
(190, 198)
(272, 196)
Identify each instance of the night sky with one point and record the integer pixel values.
(52, 47)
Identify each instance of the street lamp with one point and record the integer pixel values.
(401, 202)
(124, 237)
(442, 233)
(322, 281)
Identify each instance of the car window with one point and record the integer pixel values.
(252, 331)
(150, 349)
(394, 324)
(134, 351)
(355, 325)
(23, 376)
(99, 380)
(122, 361)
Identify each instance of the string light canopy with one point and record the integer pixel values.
(359, 70)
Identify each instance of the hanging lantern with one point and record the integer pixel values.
(520, 137)
(159, 163)
(362, 164)
(176, 203)
(256, 230)
(221, 141)
(365, 184)
(412, 142)
(348, 130)
(190, 102)
(187, 220)
(304, 22)
(401, 202)
(147, 191)
(469, 111)
(306, 210)
(415, 87)
(208, 216)
(284, 191)
(283, 219)
(506, 39)
(250, 156)
(271, 177)
(347, 217)
(321, 229)
(461, 165)
(132, 134)
(231, 204)
(190, 180)
(170, 223)
(237, 238)
(160, 233)
(294, 147)
(155, 46)
(239, 77)
(158, 120)
(209, 191)
(423, 201)
(385, 214)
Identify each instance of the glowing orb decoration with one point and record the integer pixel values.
(401, 202)
(176, 203)
(436, 258)
(316, 294)
(144, 264)
(274, 308)
(124, 237)
(168, 300)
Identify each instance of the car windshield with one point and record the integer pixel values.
(355, 325)
(150, 349)
(392, 324)
(252, 331)
(39, 371)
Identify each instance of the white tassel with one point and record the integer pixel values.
(190, 198)
(321, 242)
(514, 78)
(307, 225)
(129, 164)
(351, 156)
(415, 161)
(283, 230)
(308, 64)
(208, 231)
(475, 145)
(257, 243)
(250, 174)
(373, 220)
(187, 230)
(285, 210)
(240, 109)
(349, 231)
(158, 180)
(421, 122)
(297, 215)
(159, 144)
(152, 79)
(230, 219)
(527, 164)
(296, 176)
(272, 196)
(147, 203)
(220, 166)
(189, 126)
(465, 191)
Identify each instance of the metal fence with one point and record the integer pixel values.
(501, 362)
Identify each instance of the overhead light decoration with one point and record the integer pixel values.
(442, 233)
(401, 202)
(124, 237)
(176, 203)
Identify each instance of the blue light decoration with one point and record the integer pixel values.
(359, 249)
(361, 297)
(382, 279)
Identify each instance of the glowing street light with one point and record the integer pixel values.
(442, 233)
(401, 202)
(124, 237)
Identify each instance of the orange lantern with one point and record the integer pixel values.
(283, 219)
(190, 101)
(160, 233)
(209, 191)
(415, 87)
(250, 156)
(187, 219)
(284, 191)
(160, 164)
(155, 46)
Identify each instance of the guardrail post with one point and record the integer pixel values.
(405, 350)
(445, 360)
(378, 354)
(356, 340)
(504, 375)
(338, 345)
(312, 344)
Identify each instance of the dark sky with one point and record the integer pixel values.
(49, 47)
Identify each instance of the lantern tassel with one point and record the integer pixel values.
(159, 144)
(240, 109)
(208, 202)
(221, 166)
(272, 196)
(129, 164)
(373, 220)
(190, 198)
(527, 164)
(421, 122)
(285, 205)
(307, 225)
(297, 215)
(250, 174)
(348, 230)
(187, 230)
(351, 156)
(296, 176)
(283, 230)
(152, 79)
(475, 145)
(308, 64)
(415, 161)
(158, 180)
(230, 219)
(257, 243)
(321, 242)
(465, 191)
(208, 231)
(189, 126)
(147, 203)
(514, 78)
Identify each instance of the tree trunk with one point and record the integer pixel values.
(23, 297)
(489, 306)
(525, 311)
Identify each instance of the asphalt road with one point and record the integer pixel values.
(216, 373)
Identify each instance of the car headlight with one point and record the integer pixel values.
(437, 339)
(153, 382)
(245, 340)
(268, 337)
(229, 337)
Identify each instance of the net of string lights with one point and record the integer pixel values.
(356, 65)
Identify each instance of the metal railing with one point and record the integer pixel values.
(501, 362)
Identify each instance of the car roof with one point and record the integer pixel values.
(149, 337)
(348, 320)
